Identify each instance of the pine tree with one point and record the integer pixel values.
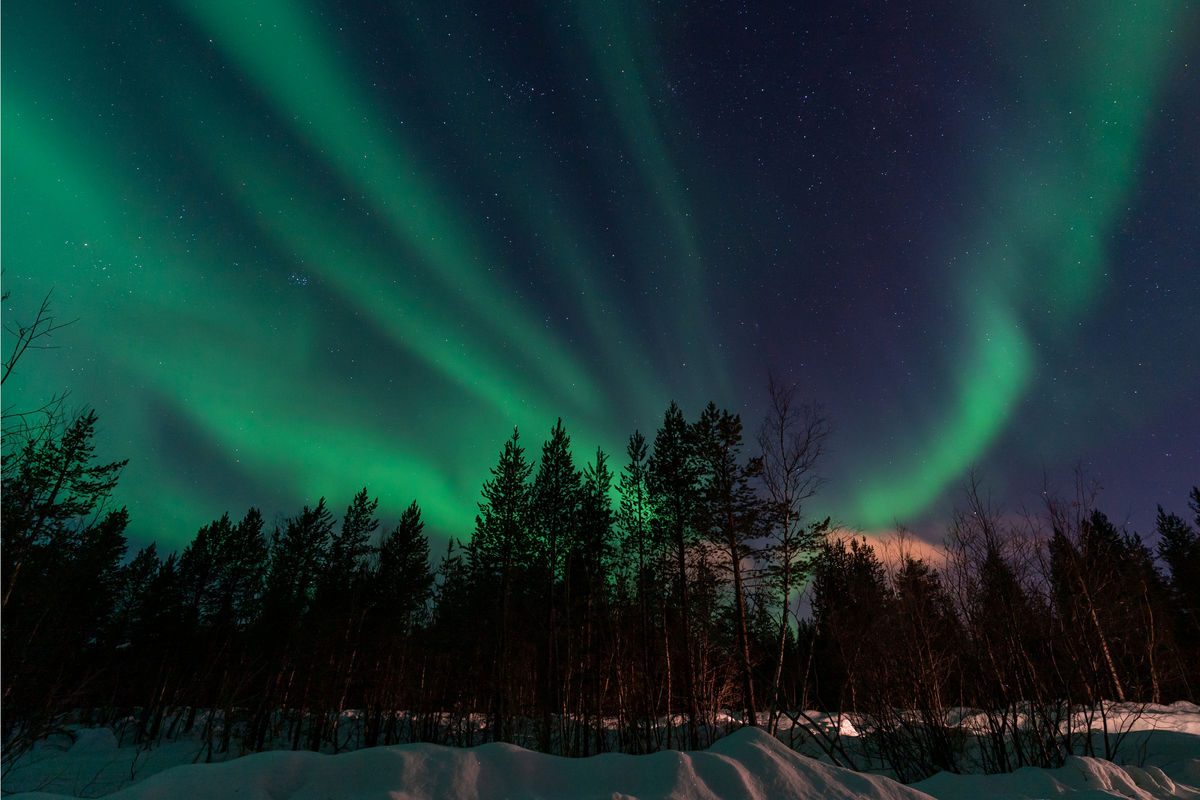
(555, 508)
(162, 647)
(404, 582)
(240, 582)
(500, 558)
(1084, 562)
(927, 642)
(1179, 547)
(730, 515)
(592, 550)
(199, 566)
(502, 544)
(555, 513)
(346, 562)
(133, 581)
(851, 603)
(299, 553)
(590, 564)
(52, 491)
(220, 576)
(1002, 614)
(672, 477)
(639, 565)
(61, 549)
(634, 519)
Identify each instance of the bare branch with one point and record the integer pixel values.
(29, 336)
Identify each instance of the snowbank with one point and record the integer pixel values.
(1160, 745)
(1161, 742)
(1079, 778)
(748, 765)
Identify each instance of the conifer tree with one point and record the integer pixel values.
(672, 482)
(404, 580)
(502, 544)
(299, 553)
(198, 567)
(1095, 577)
(639, 564)
(52, 493)
(60, 548)
(1179, 548)
(851, 603)
(350, 548)
(555, 507)
(592, 549)
(926, 643)
(730, 517)
(634, 518)
(555, 512)
(132, 584)
(1002, 616)
(240, 583)
(500, 558)
(589, 562)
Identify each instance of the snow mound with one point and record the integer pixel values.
(1082, 778)
(747, 765)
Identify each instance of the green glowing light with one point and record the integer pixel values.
(609, 31)
(190, 307)
(984, 394)
(290, 282)
(1052, 200)
(276, 44)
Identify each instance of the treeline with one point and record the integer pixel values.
(591, 608)
(1031, 625)
(581, 595)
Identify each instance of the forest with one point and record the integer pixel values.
(593, 607)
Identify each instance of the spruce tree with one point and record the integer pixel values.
(555, 515)
(52, 494)
(730, 514)
(592, 550)
(672, 482)
(639, 564)
(851, 603)
(634, 517)
(61, 548)
(404, 582)
(500, 559)
(1179, 548)
(299, 554)
(502, 544)
(350, 548)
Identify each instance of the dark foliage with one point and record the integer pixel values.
(568, 608)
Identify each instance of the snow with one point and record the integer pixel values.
(748, 764)
(1082, 778)
(1164, 741)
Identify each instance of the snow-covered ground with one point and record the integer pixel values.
(1162, 747)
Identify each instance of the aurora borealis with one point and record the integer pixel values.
(316, 246)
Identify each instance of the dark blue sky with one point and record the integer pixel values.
(314, 246)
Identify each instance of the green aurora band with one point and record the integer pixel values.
(200, 342)
(1048, 206)
(254, 372)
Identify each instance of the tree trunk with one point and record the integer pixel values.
(743, 631)
(689, 674)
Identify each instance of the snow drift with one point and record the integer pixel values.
(747, 765)
(1164, 741)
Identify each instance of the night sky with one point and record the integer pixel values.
(315, 246)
